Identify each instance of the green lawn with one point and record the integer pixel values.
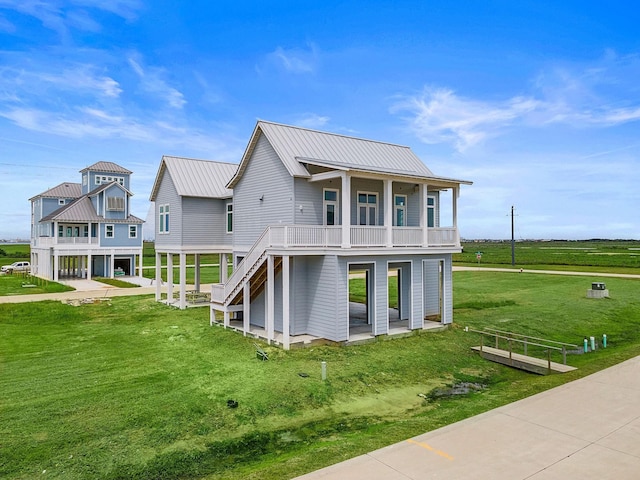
(138, 390)
(22, 284)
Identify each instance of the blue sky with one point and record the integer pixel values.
(538, 103)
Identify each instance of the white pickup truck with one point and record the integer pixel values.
(16, 267)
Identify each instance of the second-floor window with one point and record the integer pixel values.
(400, 210)
(163, 219)
(367, 208)
(133, 231)
(431, 211)
(108, 231)
(229, 217)
(330, 206)
(115, 204)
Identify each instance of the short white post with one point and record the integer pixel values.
(324, 370)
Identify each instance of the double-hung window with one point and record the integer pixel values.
(133, 231)
(229, 217)
(400, 210)
(163, 220)
(108, 231)
(367, 208)
(431, 211)
(330, 206)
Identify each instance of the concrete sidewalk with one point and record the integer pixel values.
(85, 289)
(586, 429)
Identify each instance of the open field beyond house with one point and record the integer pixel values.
(133, 389)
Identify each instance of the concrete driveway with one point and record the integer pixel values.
(586, 429)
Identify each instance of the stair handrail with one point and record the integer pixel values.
(252, 256)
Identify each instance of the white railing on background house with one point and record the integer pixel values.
(51, 241)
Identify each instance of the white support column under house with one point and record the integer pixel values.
(169, 278)
(285, 302)
(246, 307)
(196, 274)
(183, 281)
(270, 298)
(158, 276)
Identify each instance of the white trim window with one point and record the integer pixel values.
(61, 201)
(330, 206)
(431, 211)
(133, 231)
(108, 231)
(367, 208)
(229, 217)
(400, 210)
(101, 179)
(163, 218)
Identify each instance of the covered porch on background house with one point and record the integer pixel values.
(187, 295)
(68, 261)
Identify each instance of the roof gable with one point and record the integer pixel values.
(195, 178)
(106, 186)
(80, 210)
(296, 146)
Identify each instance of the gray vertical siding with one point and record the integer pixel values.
(381, 299)
(204, 222)
(167, 194)
(417, 314)
(447, 314)
(298, 280)
(309, 195)
(431, 287)
(265, 177)
(323, 298)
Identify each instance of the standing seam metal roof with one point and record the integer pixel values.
(106, 167)
(64, 190)
(196, 178)
(295, 143)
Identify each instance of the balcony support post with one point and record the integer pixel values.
(388, 211)
(345, 217)
(424, 214)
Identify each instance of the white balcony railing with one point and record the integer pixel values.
(314, 236)
(408, 236)
(443, 237)
(52, 241)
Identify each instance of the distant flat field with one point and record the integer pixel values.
(596, 255)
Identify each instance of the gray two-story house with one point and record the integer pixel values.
(194, 216)
(80, 230)
(303, 214)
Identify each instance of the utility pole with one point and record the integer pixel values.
(513, 240)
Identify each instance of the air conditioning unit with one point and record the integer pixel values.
(598, 286)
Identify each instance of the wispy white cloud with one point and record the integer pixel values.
(439, 115)
(312, 120)
(151, 81)
(594, 96)
(61, 16)
(295, 60)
